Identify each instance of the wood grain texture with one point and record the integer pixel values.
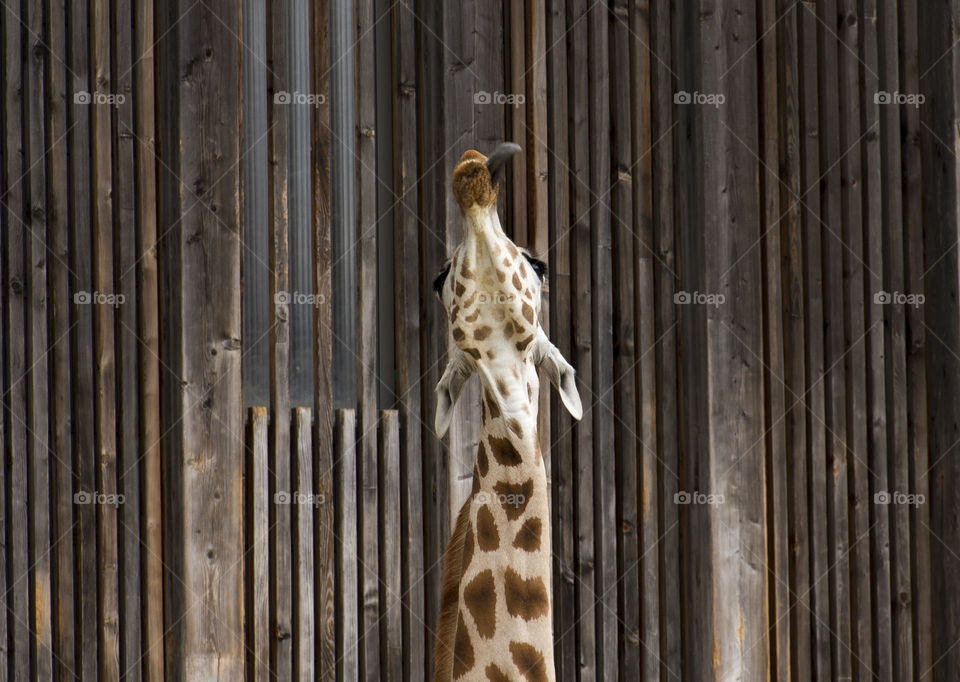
(257, 514)
(348, 581)
(304, 636)
(391, 621)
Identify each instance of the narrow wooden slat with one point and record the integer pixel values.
(366, 259)
(794, 372)
(874, 189)
(645, 496)
(257, 545)
(628, 443)
(324, 552)
(38, 383)
(15, 395)
(308, 501)
(855, 298)
(81, 340)
(917, 430)
(391, 623)
(148, 313)
(348, 630)
(895, 360)
(104, 344)
(582, 360)
(778, 546)
(813, 346)
(5, 382)
(63, 596)
(514, 16)
(664, 312)
(281, 560)
(407, 313)
(128, 396)
(561, 324)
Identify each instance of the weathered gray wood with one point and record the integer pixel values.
(940, 63)
(104, 347)
(628, 441)
(646, 495)
(391, 622)
(917, 430)
(514, 16)
(144, 98)
(407, 323)
(257, 546)
(778, 542)
(60, 304)
(664, 312)
(561, 324)
(365, 253)
(281, 561)
(348, 629)
(324, 547)
(580, 201)
(857, 496)
(128, 394)
(38, 382)
(199, 133)
(874, 189)
(308, 501)
(813, 347)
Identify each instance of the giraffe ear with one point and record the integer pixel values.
(548, 358)
(449, 388)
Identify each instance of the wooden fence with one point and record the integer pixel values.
(219, 222)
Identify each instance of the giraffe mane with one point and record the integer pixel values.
(450, 597)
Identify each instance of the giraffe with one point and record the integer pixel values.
(495, 619)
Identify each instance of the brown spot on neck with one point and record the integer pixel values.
(529, 661)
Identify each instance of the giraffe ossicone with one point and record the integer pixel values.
(495, 616)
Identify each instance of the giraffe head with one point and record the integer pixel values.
(491, 290)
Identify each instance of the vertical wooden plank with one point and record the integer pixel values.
(128, 397)
(514, 16)
(38, 383)
(857, 495)
(561, 323)
(406, 270)
(348, 632)
(148, 301)
(366, 255)
(813, 347)
(6, 658)
(793, 329)
(391, 624)
(875, 186)
(257, 545)
(15, 286)
(940, 63)
(63, 596)
(432, 201)
(199, 74)
(105, 373)
(662, 88)
(281, 566)
(646, 497)
(773, 350)
(831, 155)
(895, 345)
(734, 336)
(324, 552)
(81, 341)
(580, 201)
(628, 442)
(306, 502)
(917, 424)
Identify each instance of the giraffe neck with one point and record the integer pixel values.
(504, 623)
